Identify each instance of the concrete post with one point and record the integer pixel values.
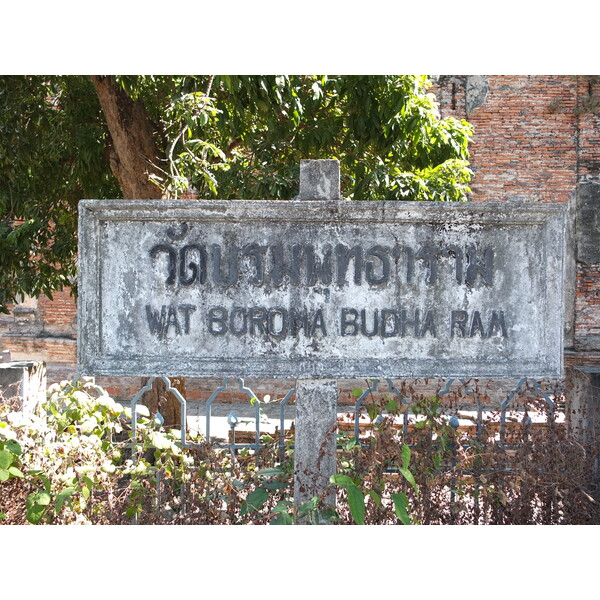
(316, 399)
(316, 438)
(25, 381)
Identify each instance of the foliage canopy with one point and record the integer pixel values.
(216, 136)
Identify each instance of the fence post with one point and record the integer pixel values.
(316, 399)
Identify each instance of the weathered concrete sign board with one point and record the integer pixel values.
(303, 289)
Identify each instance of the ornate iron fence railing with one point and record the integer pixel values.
(499, 417)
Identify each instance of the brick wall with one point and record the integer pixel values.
(537, 139)
(59, 315)
(525, 143)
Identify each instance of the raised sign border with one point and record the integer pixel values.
(91, 361)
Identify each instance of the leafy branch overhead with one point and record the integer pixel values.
(71, 137)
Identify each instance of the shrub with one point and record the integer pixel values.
(72, 461)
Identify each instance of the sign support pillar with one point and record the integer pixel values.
(316, 399)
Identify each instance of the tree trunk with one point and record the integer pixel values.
(134, 158)
(134, 154)
(159, 401)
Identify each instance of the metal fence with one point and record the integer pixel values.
(511, 417)
(527, 405)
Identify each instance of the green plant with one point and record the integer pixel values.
(66, 452)
(361, 487)
(10, 452)
(71, 462)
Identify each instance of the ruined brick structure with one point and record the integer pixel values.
(537, 139)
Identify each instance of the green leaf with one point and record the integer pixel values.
(270, 472)
(283, 506)
(40, 498)
(373, 411)
(87, 487)
(356, 500)
(401, 508)
(257, 499)
(4, 475)
(35, 513)
(375, 497)
(308, 506)
(350, 444)
(60, 499)
(392, 406)
(15, 472)
(357, 392)
(328, 514)
(409, 477)
(274, 485)
(405, 456)
(6, 459)
(282, 518)
(159, 440)
(341, 480)
(14, 447)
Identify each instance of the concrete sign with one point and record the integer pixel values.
(295, 289)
